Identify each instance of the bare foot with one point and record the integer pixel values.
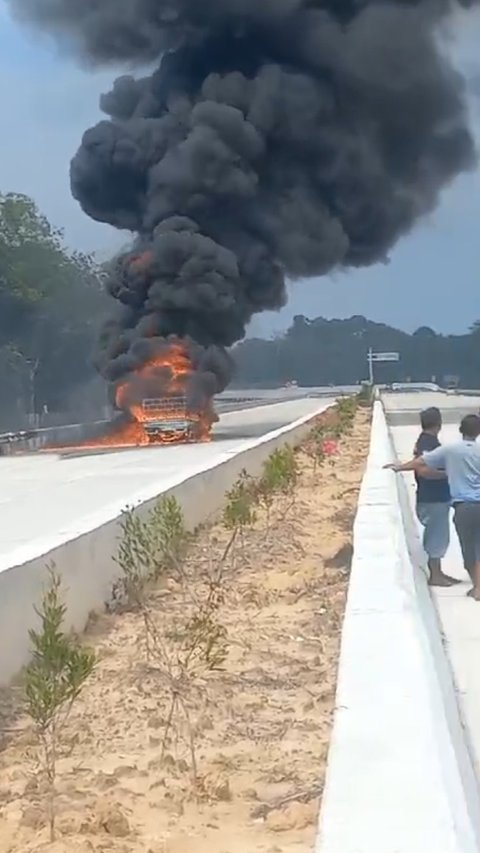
(439, 579)
(474, 593)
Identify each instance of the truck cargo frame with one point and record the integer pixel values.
(168, 417)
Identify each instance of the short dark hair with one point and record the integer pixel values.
(431, 418)
(470, 426)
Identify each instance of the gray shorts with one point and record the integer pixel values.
(467, 525)
(436, 529)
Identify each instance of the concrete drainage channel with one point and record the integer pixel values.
(399, 777)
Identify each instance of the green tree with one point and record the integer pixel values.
(31, 254)
(324, 352)
(53, 681)
(51, 305)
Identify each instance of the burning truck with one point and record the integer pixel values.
(180, 414)
(167, 420)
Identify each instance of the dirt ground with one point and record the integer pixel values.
(261, 727)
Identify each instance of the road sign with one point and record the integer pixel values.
(384, 356)
(379, 356)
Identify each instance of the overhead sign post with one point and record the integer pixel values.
(379, 356)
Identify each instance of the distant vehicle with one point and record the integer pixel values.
(167, 419)
(415, 386)
(451, 382)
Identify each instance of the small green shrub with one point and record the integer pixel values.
(279, 477)
(197, 644)
(148, 548)
(280, 473)
(53, 680)
(239, 511)
(136, 558)
(365, 395)
(169, 534)
(346, 410)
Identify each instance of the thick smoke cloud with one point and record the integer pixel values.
(277, 138)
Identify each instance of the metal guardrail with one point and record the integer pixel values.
(27, 440)
(39, 437)
(9, 439)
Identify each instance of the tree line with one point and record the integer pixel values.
(323, 352)
(51, 304)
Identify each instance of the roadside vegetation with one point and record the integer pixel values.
(200, 719)
(53, 681)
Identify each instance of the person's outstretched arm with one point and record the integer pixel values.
(431, 465)
(411, 465)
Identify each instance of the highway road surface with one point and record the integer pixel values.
(404, 408)
(45, 498)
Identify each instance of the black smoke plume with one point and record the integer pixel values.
(275, 139)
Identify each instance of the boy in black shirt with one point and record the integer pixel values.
(433, 501)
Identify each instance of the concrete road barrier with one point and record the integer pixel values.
(399, 776)
(85, 561)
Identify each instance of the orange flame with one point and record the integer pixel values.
(165, 376)
(178, 368)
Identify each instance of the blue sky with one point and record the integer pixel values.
(433, 276)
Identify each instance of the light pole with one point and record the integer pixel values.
(370, 365)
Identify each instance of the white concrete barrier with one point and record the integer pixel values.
(54, 436)
(85, 562)
(399, 777)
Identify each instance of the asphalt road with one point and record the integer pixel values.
(404, 409)
(44, 496)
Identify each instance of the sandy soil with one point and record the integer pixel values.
(261, 727)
